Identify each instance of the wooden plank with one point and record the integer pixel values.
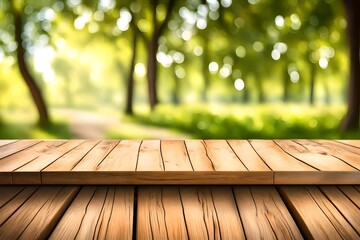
(38, 215)
(226, 212)
(355, 143)
(348, 154)
(222, 156)
(160, 214)
(264, 214)
(175, 156)
(21, 158)
(70, 159)
(276, 158)
(4, 142)
(122, 158)
(313, 157)
(199, 213)
(347, 208)
(150, 158)
(14, 147)
(8, 192)
(210, 213)
(98, 213)
(199, 158)
(247, 155)
(315, 214)
(156, 177)
(319, 177)
(95, 156)
(352, 194)
(30, 172)
(12, 206)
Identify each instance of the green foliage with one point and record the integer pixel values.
(250, 121)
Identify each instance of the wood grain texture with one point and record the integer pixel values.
(122, 158)
(264, 215)
(313, 156)
(163, 213)
(156, 178)
(150, 158)
(347, 208)
(199, 158)
(175, 156)
(17, 146)
(38, 214)
(348, 154)
(98, 213)
(315, 214)
(95, 156)
(352, 193)
(247, 155)
(276, 158)
(68, 161)
(222, 156)
(30, 172)
(319, 177)
(6, 142)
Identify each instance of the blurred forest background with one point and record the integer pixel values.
(179, 69)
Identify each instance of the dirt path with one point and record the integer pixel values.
(90, 125)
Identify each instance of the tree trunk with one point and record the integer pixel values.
(286, 85)
(30, 82)
(130, 82)
(205, 69)
(152, 70)
(175, 94)
(312, 83)
(351, 119)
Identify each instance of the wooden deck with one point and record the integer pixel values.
(155, 162)
(180, 212)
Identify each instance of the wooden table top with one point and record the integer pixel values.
(180, 212)
(160, 162)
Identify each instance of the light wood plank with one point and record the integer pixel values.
(122, 158)
(276, 158)
(226, 212)
(98, 213)
(351, 193)
(8, 192)
(150, 158)
(156, 177)
(222, 156)
(353, 142)
(14, 147)
(347, 208)
(11, 206)
(248, 156)
(38, 214)
(348, 154)
(4, 142)
(264, 214)
(175, 156)
(70, 159)
(318, 160)
(30, 172)
(95, 156)
(50, 213)
(316, 215)
(198, 156)
(318, 177)
(12, 162)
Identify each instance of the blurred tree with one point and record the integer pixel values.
(16, 8)
(351, 119)
(130, 82)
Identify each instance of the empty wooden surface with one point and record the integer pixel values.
(179, 162)
(179, 212)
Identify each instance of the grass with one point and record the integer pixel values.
(270, 121)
